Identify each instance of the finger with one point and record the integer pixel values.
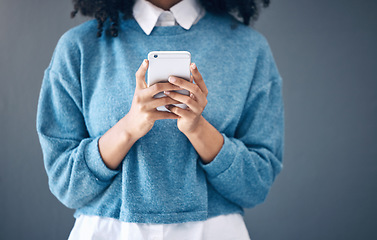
(156, 102)
(191, 94)
(180, 112)
(198, 78)
(191, 103)
(184, 84)
(158, 115)
(160, 87)
(191, 87)
(140, 75)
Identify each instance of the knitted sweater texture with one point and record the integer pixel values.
(88, 87)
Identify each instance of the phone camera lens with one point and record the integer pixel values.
(155, 56)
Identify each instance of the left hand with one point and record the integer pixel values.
(189, 118)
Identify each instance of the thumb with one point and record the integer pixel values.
(140, 75)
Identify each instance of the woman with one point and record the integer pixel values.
(132, 172)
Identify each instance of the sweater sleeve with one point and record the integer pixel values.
(75, 169)
(248, 162)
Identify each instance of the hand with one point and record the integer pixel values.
(118, 140)
(143, 113)
(189, 119)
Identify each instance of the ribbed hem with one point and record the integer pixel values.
(161, 218)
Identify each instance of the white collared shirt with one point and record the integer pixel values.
(224, 227)
(185, 13)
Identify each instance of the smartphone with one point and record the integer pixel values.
(163, 64)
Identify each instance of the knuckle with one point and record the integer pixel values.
(143, 108)
(149, 117)
(176, 110)
(138, 108)
(166, 100)
(155, 87)
(190, 101)
(137, 74)
(173, 110)
(196, 89)
(139, 77)
(137, 98)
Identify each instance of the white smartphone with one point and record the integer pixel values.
(163, 64)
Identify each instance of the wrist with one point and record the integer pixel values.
(206, 140)
(198, 131)
(128, 136)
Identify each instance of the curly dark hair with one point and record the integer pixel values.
(109, 9)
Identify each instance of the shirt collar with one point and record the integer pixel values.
(185, 13)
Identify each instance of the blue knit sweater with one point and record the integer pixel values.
(88, 87)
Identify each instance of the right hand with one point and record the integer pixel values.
(143, 113)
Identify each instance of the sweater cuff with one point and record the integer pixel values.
(95, 162)
(223, 159)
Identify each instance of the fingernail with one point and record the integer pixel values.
(145, 62)
(193, 65)
(171, 79)
(166, 92)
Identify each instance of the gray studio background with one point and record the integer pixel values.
(326, 53)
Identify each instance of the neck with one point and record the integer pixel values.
(164, 4)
